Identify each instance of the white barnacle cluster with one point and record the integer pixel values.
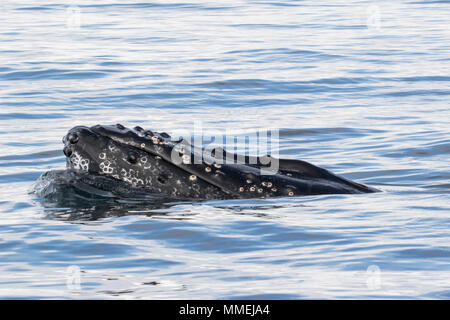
(105, 166)
(253, 187)
(186, 159)
(131, 176)
(266, 184)
(78, 162)
(145, 163)
(155, 139)
(111, 146)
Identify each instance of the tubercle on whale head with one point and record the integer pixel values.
(134, 137)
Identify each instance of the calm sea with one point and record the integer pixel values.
(358, 87)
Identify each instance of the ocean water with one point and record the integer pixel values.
(358, 87)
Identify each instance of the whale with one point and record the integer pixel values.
(153, 162)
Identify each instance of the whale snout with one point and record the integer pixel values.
(81, 145)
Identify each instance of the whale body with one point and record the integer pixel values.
(155, 163)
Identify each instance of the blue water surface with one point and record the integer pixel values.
(358, 87)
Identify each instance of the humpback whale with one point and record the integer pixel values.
(155, 163)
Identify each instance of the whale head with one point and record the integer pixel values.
(138, 157)
(152, 160)
(113, 151)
